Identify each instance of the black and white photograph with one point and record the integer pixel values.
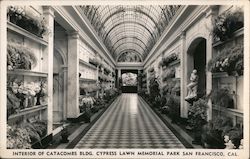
(93, 79)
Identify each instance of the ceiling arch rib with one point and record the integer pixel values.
(124, 27)
(142, 21)
(129, 32)
(122, 11)
(133, 22)
(128, 37)
(129, 44)
(124, 33)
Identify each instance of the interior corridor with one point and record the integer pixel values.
(129, 123)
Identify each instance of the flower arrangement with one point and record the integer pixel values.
(41, 91)
(113, 74)
(23, 136)
(212, 136)
(94, 61)
(227, 23)
(86, 103)
(18, 138)
(169, 73)
(222, 97)
(220, 133)
(19, 57)
(169, 59)
(110, 94)
(153, 89)
(228, 60)
(15, 13)
(107, 70)
(197, 114)
(35, 25)
(168, 88)
(233, 138)
(172, 107)
(21, 95)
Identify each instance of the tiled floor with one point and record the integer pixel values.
(129, 123)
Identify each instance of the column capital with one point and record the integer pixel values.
(73, 34)
(48, 10)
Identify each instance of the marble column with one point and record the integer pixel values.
(160, 75)
(65, 89)
(49, 16)
(209, 49)
(119, 76)
(97, 80)
(73, 75)
(184, 78)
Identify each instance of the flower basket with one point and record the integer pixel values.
(20, 57)
(227, 23)
(18, 16)
(169, 59)
(228, 60)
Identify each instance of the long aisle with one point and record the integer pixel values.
(129, 123)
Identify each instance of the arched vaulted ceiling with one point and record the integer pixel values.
(124, 28)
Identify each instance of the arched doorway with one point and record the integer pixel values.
(196, 59)
(58, 90)
(129, 81)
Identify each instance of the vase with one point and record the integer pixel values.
(25, 102)
(30, 101)
(43, 100)
(34, 100)
(13, 19)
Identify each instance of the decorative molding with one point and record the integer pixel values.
(27, 73)
(47, 10)
(87, 64)
(190, 20)
(68, 16)
(14, 28)
(73, 34)
(27, 111)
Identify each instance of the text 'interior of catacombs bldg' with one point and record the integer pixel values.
(125, 76)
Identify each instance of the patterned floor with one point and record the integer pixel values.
(129, 123)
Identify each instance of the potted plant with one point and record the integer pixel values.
(197, 117)
(173, 107)
(64, 134)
